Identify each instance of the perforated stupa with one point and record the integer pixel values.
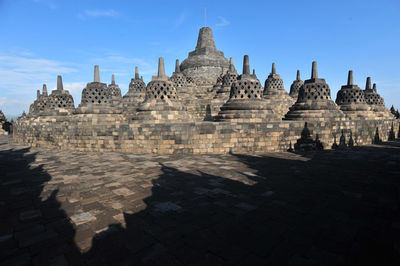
(352, 102)
(314, 101)
(275, 93)
(59, 102)
(295, 87)
(162, 103)
(246, 101)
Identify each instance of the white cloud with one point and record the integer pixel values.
(179, 21)
(21, 74)
(222, 22)
(98, 13)
(49, 3)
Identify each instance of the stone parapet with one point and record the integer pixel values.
(111, 132)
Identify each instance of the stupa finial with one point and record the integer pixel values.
(205, 39)
(374, 87)
(298, 75)
(112, 79)
(96, 74)
(37, 94)
(368, 84)
(177, 67)
(246, 65)
(161, 68)
(59, 83)
(314, 71)
(44, 89)
(231, 66)
(350, 80)
(273, 71)
(136, 73)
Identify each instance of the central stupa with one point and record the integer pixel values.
(205, 63)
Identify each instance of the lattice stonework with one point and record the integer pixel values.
(94, 94)
(41, 105)
(60, 101)
(295, 87)
(228, 79)
(115, 91)
(137, 85)
(348, 96)
(374, 98)
(274, 84)
(312, 91)
(179, 80)
(161, 90)
(245, 89)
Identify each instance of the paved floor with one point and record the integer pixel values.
(324, 208)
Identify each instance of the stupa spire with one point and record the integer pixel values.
(38, 94)
(298, 75)
(96, 74)
(177, 68)
(59, 83)
(112, 79)
(205, 39)
(374, 87)
(246, 65)
(273, 71)
(350, 80)
(231, 66)
(368, 83)
(44, 89)
(314, 71)
(161, 67)
(136, 73)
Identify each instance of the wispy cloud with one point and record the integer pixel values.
(49, 3)
(21, 74)
(72, 87)
(98, 13)
(223, 22)
(180, 20)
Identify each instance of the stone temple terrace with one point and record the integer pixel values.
(207, 107)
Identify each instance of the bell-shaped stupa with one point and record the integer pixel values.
(114, 89)
(295, 87)
(40, 104)
(375, 101)
(161, 103)
(135, 94)
(205, 63)
(96, 97)
(314, 102)
(246, 102)
(275, 92)
(60, 102)
(351, 101)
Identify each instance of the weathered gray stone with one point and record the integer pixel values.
(205, 63)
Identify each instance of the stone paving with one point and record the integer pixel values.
(320, 208)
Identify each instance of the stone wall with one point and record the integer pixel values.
(110, 132)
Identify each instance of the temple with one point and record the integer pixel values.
(205, 106)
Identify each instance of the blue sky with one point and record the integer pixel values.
(41, 39)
